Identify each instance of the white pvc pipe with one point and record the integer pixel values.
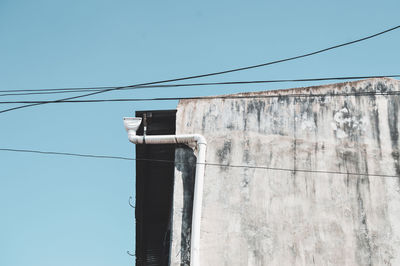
(198, 184)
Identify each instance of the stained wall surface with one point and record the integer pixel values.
(294, 214)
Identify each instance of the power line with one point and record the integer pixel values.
(73, 90)
(255, 96)
(207, 163)
(46, 93)
(55, 89)
(69, 154)
(217, 73)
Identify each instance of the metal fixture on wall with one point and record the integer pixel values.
(131, 125)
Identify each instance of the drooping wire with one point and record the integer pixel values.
(130, 254)
(130, 202)
(207, 163)
(74, 90)
(214, 73)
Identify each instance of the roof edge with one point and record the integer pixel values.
(364, 85)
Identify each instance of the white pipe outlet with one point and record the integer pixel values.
(131, 125)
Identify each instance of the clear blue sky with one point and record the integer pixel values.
(74, 211)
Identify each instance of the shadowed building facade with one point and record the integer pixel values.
(326, 189)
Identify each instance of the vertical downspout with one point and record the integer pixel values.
(197, 205)
(131, 125)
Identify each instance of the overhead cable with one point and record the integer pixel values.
(74, 90)
(256, 95)
(69, 154)
(207, 163)
(59, 89)
(215, 73)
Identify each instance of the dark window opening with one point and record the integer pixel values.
(154, 190)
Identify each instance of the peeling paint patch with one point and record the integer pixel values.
(346, 124)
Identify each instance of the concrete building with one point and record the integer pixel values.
(323, 184)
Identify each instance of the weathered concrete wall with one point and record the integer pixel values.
(279, 217)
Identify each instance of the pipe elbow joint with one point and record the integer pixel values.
(133, 137)
(200, 139)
